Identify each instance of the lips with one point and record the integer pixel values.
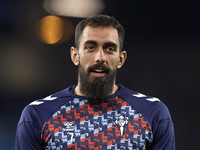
(97, 74)
(98, 70)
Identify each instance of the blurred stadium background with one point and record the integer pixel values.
(162, 40)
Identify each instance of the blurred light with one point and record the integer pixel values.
(54, 30)
(21, 69)
(73, 8)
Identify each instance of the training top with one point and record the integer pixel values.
(127, 120)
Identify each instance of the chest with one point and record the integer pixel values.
(107, 125)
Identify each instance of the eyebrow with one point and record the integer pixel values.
(110, 44)
(105, 44)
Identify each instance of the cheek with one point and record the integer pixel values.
(86, 61)
(113, 62)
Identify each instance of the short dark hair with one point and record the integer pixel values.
(99, 21)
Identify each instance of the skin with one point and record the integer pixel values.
(99, 44)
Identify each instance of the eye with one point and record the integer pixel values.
(90, 48)
(110, 49)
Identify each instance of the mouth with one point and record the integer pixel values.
(99, 71)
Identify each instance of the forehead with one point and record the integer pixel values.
(100, 35)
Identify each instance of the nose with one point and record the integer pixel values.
(100, 56)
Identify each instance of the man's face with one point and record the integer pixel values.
(99, 58)
(99, 45)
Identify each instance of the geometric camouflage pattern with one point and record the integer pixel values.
(111, 124)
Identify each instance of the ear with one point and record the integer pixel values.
(74, 56)
(122, 58)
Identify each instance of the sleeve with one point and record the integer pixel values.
(28, 137)
(163, 135)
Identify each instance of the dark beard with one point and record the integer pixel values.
(99, 88)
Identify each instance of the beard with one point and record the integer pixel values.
(97, 88)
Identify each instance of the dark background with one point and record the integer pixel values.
(162, 42)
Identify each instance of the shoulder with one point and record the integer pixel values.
(151, 108)
(40, 110)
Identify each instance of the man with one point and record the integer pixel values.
(96, 113)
